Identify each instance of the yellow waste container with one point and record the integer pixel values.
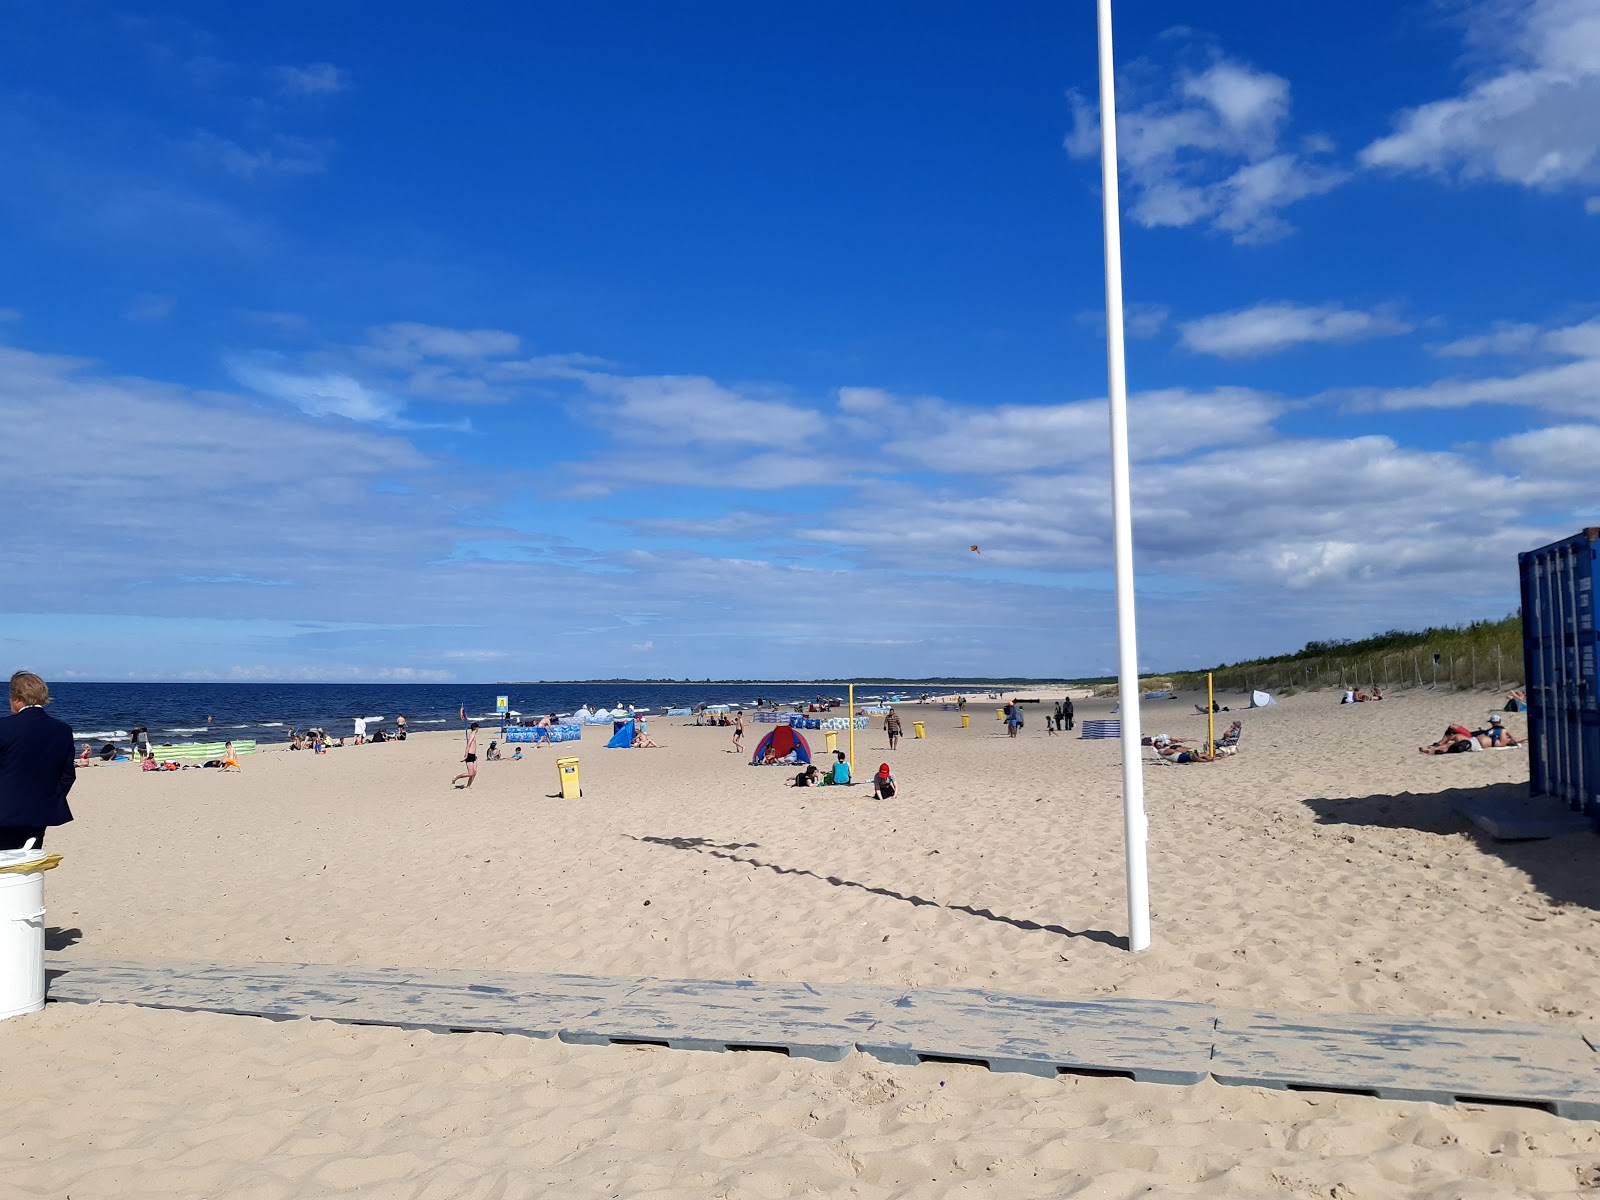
(917, 725)
(966, 721)
(999, 714)
(832, 738)
(567, 771)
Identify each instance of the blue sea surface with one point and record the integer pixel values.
(266, 712)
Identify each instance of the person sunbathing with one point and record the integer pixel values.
(1174, 752)
(1497, 736)
(807, 778)
(1457, 739)
(643, 741)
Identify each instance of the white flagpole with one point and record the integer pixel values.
(1135, 826)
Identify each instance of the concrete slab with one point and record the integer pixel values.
(1522, 819)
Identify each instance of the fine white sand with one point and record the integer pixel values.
(1320, 869)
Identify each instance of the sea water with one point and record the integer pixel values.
(176, 713)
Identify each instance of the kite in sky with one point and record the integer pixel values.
(975, 550)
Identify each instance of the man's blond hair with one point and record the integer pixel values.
(28, 688)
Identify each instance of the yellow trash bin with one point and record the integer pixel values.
(917, 725)
(567, 771)
(966, 721)
(999, 714)
(832, 738)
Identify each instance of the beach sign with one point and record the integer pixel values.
(502, 704)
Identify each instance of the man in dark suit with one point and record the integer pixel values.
(36, 768)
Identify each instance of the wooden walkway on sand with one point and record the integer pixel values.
(1554, 1066)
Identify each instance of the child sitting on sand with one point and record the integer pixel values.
(807, 778)
(883, 783)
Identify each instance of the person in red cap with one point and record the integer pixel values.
(883, 783)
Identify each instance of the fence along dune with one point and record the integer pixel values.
(1482, 654)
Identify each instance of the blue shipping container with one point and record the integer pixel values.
(1559, 665)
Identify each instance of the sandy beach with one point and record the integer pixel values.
(1319, 870)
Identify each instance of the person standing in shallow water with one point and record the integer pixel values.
(36, 766)
(471, 758)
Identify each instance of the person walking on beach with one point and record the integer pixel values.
(400, 728)
(471, 759)
(891, 726)
(361, 730)
(1013, 719)
(738, 732)
(36, 767)
(1066, 711)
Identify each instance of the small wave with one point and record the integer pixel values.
(189, 729)
(102, 734)
(429, 721)
(266, 725)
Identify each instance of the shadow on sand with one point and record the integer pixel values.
(729, 851)
(1565, 869)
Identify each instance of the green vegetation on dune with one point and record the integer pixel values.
(1481, 654)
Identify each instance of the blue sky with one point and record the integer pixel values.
(551, 341)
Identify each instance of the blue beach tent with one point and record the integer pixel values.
(622, 739)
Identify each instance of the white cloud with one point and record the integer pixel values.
(1270, 328)
(1591, 206)
(330, 395)
(1565, 450)
(283, 156)
(686, 410)
(329, 523)
(1209, 152)
(1504, 338)
(1533, 120)
(147, 306)
(1568, 388)
(314, 79)
(10, 314)
(411, 342)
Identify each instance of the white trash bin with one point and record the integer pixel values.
(21, 935)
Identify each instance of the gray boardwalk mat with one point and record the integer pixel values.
(1552, 1065)
(1148, 1040)
(442, 1001)
(799, 1019)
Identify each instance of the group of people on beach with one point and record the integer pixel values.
(1458, 739)
(838, 775)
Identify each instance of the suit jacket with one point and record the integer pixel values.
(36, 769)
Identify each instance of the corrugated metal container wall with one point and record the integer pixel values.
(1559, 663)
